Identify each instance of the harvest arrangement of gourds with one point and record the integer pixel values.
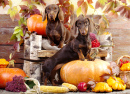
(77, 75)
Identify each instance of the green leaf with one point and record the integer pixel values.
(13, 37)
(79, 11)
(30, 83)
(10, 56)
(13, 12)
(102, 2)
(18, 37)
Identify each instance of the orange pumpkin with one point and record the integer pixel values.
(78, 71)
(7, 74)
(35, 23)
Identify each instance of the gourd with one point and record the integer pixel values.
(102, 87)
(78, 71)
(35, 23)
(7, 74)
(125, 67)
(3, 63)
(116, 83)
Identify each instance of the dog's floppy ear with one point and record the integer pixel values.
(91, 25)
(60, 15)
(44, 15)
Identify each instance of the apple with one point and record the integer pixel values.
(82, 86)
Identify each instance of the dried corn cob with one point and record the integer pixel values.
(70, 86)
(53, 89)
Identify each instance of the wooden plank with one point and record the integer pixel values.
(5, 36)
(19, 66)
(46, 53)
(49, 53)
(6, 22)
(5, 51)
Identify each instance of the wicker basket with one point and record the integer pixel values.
(124, 73)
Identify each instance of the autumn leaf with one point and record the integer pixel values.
(97, 5)
(123, 1)
(61, 1)
(84, 8)
(108, 7)
(79, 11)
(80, 2)
(91, 6)
(113, 14)
(89, 1)
(14, 13)
(10, 3)
(102, 2)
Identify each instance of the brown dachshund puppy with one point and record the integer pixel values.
(55, 30)
(78, 48)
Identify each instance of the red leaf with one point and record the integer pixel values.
(66, 4)
(61, 2)
(6, 2)
(23, 7)
(84, 8)
(17, 16)
(29, 1)
(64, 9)
(123, 1)
(79, 3)
(122, 12)
(42, 2)
(36, 11)
(90, 1)
(119, 8)
(97, 5)
(71, 8)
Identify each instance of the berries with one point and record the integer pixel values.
(123, 62)
(92, 36)
(95, 43)
(16, 85)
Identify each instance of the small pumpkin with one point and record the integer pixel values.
(102, 87)
(125, 67)
(78, 71)
(116, 83)
(3, 63)
(35, 23)
(7, 74)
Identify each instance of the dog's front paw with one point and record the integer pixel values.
(53, 44)
(60, 45)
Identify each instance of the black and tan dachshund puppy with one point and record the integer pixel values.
(78, 48)
(55, 30)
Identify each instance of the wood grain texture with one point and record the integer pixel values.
(5, 51)
(6, 22)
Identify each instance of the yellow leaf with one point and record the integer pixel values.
(79, 11)
(10, 3)
(91, 6)
(102, 2)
